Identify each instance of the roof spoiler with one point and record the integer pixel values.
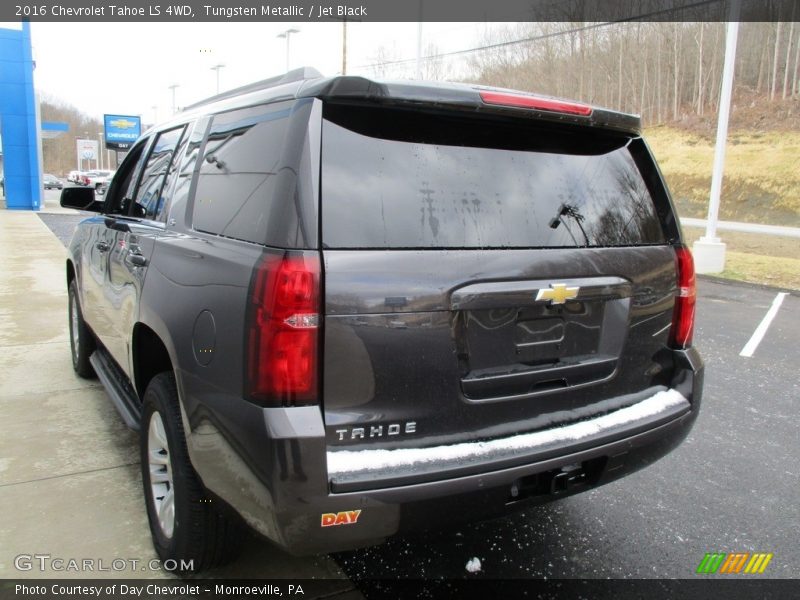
(301, 74)
(471, 98)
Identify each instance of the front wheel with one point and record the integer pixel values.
(185, 526)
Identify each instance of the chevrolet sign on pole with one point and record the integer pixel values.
(121, 131)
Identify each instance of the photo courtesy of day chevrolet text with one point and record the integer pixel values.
(157, 590)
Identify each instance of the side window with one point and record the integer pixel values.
(237, 179)
(118, 198)
(179, 176)
(150, 193)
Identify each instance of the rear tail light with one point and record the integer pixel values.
(283, 321)
(536, 102)
(683, 315)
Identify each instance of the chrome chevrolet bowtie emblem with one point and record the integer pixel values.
(558, 293)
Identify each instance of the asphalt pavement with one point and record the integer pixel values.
(732, 486)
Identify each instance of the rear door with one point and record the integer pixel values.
(486, 276)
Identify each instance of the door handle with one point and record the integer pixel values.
(137, 259)
(102, 246)
(135, 256)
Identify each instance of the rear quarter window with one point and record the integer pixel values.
(237, 178)
(257, 175)
(404, 179)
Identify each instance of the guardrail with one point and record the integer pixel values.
(779, 230)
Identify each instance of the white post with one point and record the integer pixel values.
(419, 43)
(344, 46)
(287, 34)
(173, 87)
(709, 250)
(217, 68)
(39, 202)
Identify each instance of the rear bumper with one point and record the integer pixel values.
(283, 489)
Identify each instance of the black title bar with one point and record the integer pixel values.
(398, 10)
(738, 588)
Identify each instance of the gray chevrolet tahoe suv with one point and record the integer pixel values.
(336, 308)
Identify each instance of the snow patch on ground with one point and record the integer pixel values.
(366, 461)
(473, 565)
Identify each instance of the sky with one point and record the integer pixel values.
(127, 68)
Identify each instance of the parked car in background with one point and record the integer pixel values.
(85, 178)
(94, 178)
(52, 182)
(74, 176)
(101, 182)
(346, 308)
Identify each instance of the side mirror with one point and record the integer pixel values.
(80, 198)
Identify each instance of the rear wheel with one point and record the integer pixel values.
(81, 339)
(185, 526)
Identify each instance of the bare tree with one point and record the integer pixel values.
(775, 62)
(676, 71)
(788, 58)
(699, 83)
(795, 83)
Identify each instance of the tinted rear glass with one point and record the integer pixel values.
(400, 179)
(242, 157)
(257, 176)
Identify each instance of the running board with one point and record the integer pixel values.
(119, 390)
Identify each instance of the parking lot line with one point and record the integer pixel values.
(758, 334)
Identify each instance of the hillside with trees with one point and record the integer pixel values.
(59, 155)
(670, 74)
(662, 71)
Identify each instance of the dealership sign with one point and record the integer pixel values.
(87, 149)
(121, 131)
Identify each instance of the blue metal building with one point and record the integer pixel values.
(18, 128)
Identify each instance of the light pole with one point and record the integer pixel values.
(100, 149)
(344, 46)
(419, 43)
(709, 250)
(217, 68)
(287, 34)
(173, 87)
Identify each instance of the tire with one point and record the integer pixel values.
(185, 526)
(81, 339)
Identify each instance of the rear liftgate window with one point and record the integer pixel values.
(401, 179)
